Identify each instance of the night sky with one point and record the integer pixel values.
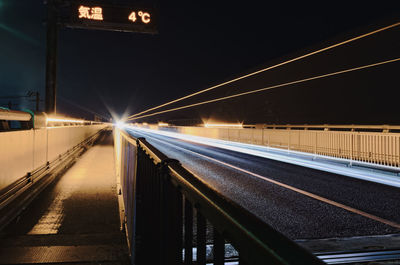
(203, 43)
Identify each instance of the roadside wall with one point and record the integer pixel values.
(24, 151)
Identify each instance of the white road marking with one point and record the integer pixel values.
(300, 191)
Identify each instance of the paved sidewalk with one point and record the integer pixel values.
(74, 220)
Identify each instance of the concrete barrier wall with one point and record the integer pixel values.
(24, 151)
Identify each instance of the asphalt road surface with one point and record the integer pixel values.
(300, 202)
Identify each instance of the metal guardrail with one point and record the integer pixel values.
(329, 127)
(164, 203)
(380, 148)
(30, 120)
(14, 115)
(370, 147)
(23, 119)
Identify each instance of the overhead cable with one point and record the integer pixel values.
(270, 67)
(270, 87)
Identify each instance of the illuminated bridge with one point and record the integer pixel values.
(136, 191)
(77, 191)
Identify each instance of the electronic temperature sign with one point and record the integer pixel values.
(94, 15)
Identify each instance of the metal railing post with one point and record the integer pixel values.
(219, 248)
(201, 239)
(173, 241)
(188, 243)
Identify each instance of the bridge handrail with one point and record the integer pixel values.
(341, 127)
(367, 148)
(167, 197)
(14, 115)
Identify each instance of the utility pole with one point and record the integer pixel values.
(51, 58)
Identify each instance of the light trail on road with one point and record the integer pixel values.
(300, 202)
(339, 165)
(303, 192)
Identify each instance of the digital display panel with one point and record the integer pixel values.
(92, 15)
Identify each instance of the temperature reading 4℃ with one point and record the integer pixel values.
(142, 16)
(127, 18)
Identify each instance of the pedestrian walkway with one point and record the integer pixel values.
(74, 220)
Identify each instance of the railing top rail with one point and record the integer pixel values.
(129, 138)
(329, 126)
(155, 154)
(14, 115)
(333, 127)
(256, 240)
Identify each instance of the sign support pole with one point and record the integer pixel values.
(51, 58)
(128, 19)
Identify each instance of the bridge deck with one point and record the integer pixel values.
(75, 220)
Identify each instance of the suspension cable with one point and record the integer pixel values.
(270, 87)
(269, 68)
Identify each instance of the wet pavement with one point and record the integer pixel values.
(74, 220)
(302, 203)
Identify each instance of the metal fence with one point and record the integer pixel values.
(172, 217)
(372, 147)
(381, 148)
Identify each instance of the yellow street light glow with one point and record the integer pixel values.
(64, 120)
(120, 124)
(163, 124)
(270, 68)
(223, 125)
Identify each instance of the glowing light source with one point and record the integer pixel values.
(145, 17)
(223, 125)
(120, 124)
(132, 17)
(93, 13)
(66, 120)
(163, 124)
